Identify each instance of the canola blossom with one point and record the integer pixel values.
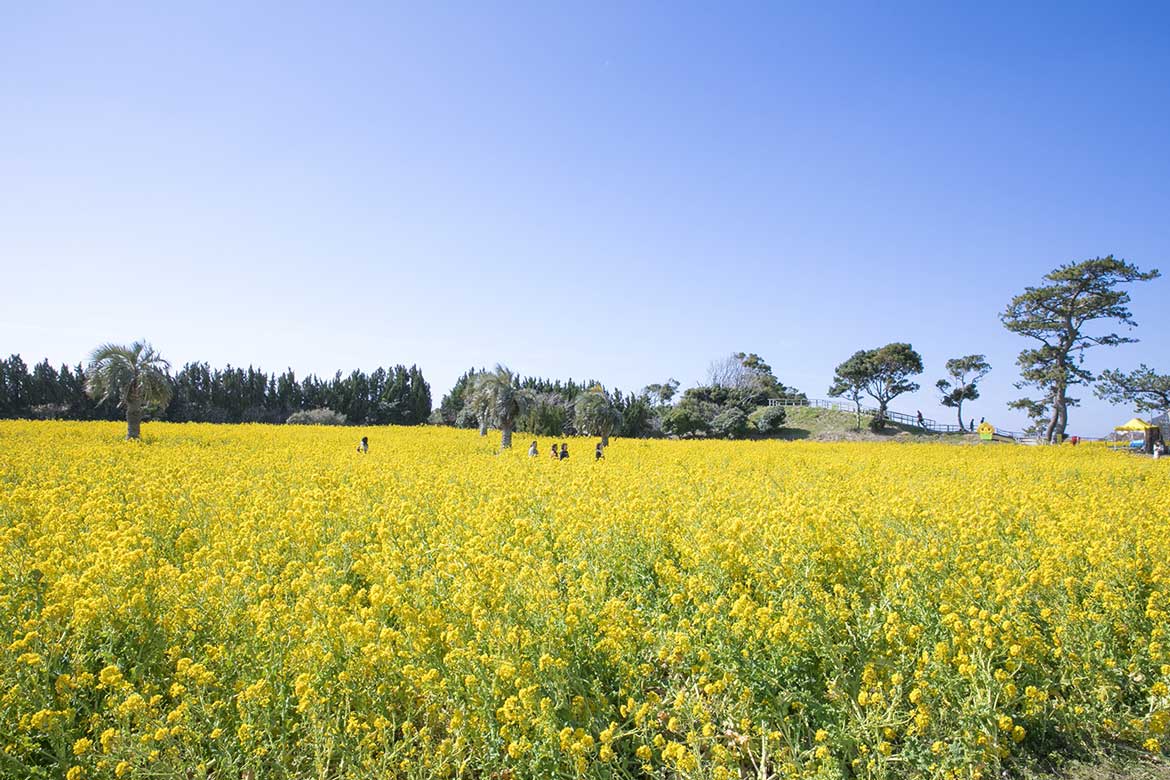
(259, 601)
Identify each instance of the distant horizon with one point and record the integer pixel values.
(631, 190)
(938, 414)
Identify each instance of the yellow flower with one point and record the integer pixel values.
(450, 598)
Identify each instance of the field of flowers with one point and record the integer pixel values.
(264, 602)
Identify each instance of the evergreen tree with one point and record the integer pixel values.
(17, 387)
(1144, 388)
(962, 383)
(1057, 316)
(420, 397)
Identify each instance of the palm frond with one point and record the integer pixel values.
(135, 373)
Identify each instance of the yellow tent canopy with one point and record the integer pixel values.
(1136, 424)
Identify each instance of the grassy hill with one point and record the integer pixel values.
(807, 422)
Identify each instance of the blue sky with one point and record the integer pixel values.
(607, 190)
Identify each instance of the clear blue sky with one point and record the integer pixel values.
(605, 190)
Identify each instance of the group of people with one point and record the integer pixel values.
(563, 452)
(533, 450)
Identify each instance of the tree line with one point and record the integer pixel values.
(733, 403)
(1064, 318)
(199, 393)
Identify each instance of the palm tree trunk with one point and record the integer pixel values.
(506, 437)
(483, 425)
(133, 420)
(604, 440)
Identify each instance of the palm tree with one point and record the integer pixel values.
(135, 376)
(480, 402)
(595, 414)
(504, 399)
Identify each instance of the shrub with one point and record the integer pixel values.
(466, 418)
(689, 417)
(50, 412)
(316, 417)
(768, 419)
(547, 417)
(730, 423)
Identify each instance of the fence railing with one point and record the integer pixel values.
(912, 420)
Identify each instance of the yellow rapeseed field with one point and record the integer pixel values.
(265, 602)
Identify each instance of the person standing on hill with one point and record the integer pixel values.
(921, 422)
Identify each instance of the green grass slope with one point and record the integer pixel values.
(807, 422)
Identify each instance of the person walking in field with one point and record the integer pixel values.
(556, 455)
(599, 453)
(564, 451)
(364, 447)
(533, 450)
